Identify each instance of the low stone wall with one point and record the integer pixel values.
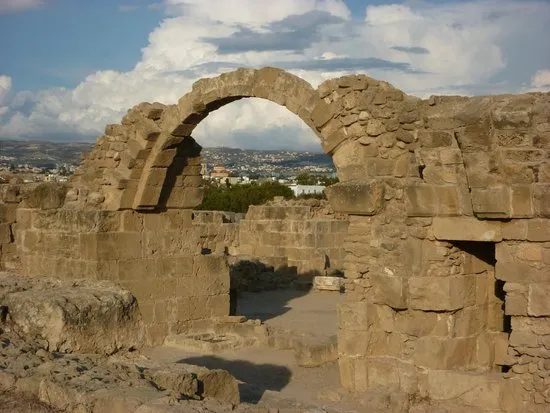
(156, 256)
(306, 234)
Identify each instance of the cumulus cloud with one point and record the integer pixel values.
(5, 86)
(541, 79)
(478, 47)
(13, 6)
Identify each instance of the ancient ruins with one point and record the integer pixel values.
(440, 224)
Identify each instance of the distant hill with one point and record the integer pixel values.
(40, 153)
(242, 161)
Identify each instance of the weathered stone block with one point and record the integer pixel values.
(471, 389)
(110, 245)
(356, 197)
(441, 353)
(516, 299)
(354, 316)
(538, 230)
(389, 290)
(441, 293)
(542, 200)
(466, 229)
(539, 298)
(492, 202)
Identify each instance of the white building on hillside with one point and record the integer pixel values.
(306, 189)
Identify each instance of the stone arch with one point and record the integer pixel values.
(174, 158)
(136, 162)
(129, 164)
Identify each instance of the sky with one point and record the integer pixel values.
(69, 67)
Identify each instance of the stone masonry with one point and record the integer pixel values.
(304, 235)
(446, 260)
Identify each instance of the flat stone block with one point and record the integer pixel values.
(444, 353)
(325, 283)
(492, 202)
(356, 198)
(472, 389)
(466, 229)
(539, 299)
(441, 293)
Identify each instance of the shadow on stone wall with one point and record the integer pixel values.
(255, 378)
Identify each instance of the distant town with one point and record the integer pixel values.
(38, 161)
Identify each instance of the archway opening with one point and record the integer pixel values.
(285, 252)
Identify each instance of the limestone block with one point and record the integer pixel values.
(493, 202)
(469, 321)
(442, 353)
(331, 142)
(542, 200)
(434, 139)
(539, 298)
(110, 245)
(423, 323)
(188, 198)
(538, 230)
(321, 114)
(6, 235)
(516, 299)
(325, 283)
(356, 197)
(441, 293)
(355, 316)
(46, 196)
(433, 200)
(520, 272)
(83, 316)
(470, 389)
(146, 129)
(466, 229)
(389, 374)
(389, 290)
(522, 201)
(515, 229)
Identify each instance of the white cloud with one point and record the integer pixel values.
(13, 6)
(541, 79)
(5, 86)
(465, 47)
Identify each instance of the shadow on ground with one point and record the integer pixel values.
(255, 378)
(283, 284)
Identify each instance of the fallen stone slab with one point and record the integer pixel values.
(328, 283)
(71, 316)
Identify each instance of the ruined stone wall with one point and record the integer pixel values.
(218, 231)
(426, 306)
(306, 235)
(156, 256)
(448, 201)
(9, 200)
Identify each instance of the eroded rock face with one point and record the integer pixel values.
(83, 316)
(92, 383)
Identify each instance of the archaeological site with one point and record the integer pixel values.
(423, 282)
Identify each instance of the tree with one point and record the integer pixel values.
(237, 198)
(306, 179)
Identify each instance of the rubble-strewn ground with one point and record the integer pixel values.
(16, 403)
(268, 377)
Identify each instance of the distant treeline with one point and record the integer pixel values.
(237, 198)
